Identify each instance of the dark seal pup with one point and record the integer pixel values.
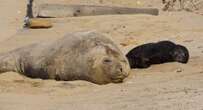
(86, 56)
(156, 53)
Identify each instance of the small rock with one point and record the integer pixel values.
(199, 47)
(138, 3)
(179, 70)
(19, 12)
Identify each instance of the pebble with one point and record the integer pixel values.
(179, 70)
(19, 12)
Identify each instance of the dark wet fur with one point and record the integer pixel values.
(156, 53)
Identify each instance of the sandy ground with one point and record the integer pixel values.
(170, 86)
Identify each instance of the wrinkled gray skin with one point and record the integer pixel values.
(81, 56)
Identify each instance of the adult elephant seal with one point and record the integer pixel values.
(86, 56)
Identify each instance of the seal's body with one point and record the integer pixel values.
(156, 53)
(81, 56)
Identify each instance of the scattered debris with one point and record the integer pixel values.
(187, 5)
(31, 22)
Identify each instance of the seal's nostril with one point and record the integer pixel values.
(121, 69)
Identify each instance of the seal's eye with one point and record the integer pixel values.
(107, 60)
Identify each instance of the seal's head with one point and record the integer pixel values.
(108, 65)
(180, 54)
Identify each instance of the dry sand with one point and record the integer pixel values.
(170, 86)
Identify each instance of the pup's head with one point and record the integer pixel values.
(181, 54)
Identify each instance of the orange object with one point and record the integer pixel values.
(39, 23)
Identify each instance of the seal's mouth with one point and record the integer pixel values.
(118, 78)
